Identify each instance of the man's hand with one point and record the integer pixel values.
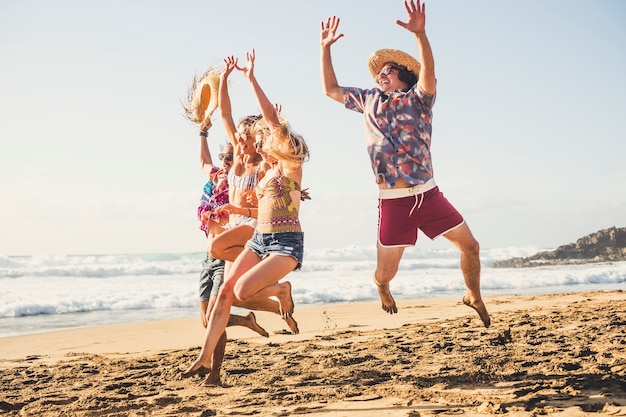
(329, 35)
(416, 13)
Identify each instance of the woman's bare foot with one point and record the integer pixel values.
(480, 308)
(285, 301)
(253, 325)
(388, 303)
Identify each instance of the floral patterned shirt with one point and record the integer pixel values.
(398, 128)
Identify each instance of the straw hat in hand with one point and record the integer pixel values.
(202, 97)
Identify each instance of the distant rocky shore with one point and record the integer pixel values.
(608, 245)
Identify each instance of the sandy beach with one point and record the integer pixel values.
(558, 354)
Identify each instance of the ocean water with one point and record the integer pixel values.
(46, 293)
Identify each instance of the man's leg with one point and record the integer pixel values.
(206, 288)
(462, 238)
(213, 379)
(387, 263)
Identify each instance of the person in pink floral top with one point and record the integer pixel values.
(398, 116)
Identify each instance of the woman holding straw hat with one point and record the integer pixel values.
(277, 246)
(398, 115)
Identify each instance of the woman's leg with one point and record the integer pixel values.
(229, 244)
(261, 282)
(214, 379)
(270, 305)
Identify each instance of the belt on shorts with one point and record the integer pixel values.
(387, 193)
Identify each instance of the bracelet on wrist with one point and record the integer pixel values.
(204, 133)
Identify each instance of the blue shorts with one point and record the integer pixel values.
(211, 277)
(283, 243)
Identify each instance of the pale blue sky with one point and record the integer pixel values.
(95, 156)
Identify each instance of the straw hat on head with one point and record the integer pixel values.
(202, 96)
(378, 59)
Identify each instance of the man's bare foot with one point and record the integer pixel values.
(293, 325)
(285, 302)
(388, 303)
(253, 325)
(211, 381)
(480, 308)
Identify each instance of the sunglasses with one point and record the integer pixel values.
(258, 145)
(242, 136)
(226, 156)
(387, 70)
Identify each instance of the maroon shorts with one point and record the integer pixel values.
(400, 218)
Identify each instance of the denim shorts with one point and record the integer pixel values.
(211, 277)
(283, 243)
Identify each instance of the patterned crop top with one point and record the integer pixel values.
(277, 211)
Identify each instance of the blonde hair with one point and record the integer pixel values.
(249, 121)
(281, 142)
